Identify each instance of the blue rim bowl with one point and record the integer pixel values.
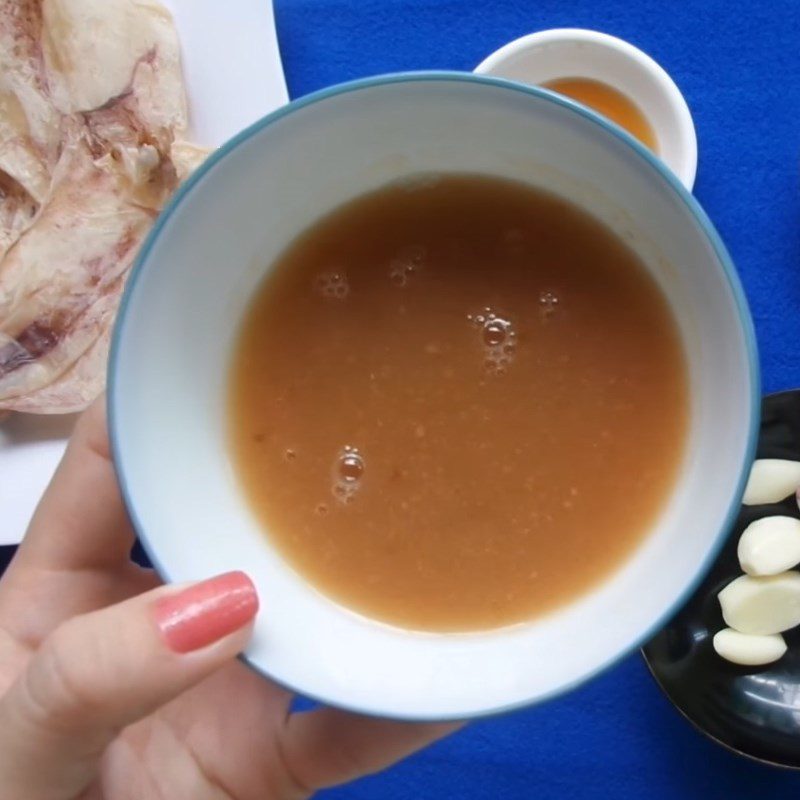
(640, 152)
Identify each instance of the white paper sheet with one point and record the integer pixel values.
(234, 76)
(231, 63)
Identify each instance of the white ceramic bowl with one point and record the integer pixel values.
(575, 52)
(207, 255)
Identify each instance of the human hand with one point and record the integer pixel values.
(113, 687)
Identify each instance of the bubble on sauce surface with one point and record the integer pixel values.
(495, 332)
(351, 466)
(548, 303)
(498, 338)
(333, 285)
(405, 263)
(348, 470)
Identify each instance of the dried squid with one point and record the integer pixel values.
(92, 143)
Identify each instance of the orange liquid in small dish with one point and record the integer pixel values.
(610, 103)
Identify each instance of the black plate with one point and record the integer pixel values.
(754, 711)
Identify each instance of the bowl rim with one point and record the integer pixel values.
(685, 132)
(652, 161)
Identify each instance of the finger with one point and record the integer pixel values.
(76, 555)
(101, 672)
(327, 747)
(81, 522)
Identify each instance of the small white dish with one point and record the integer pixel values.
(578, 53)
(220, 236)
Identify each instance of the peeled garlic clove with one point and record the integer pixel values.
(770, 545)
(769, 604)
(749, 649)
(771, 480)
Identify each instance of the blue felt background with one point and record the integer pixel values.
(738, 65)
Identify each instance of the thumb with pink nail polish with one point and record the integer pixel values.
(204, 613)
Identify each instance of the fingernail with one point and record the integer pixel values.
(206, 612)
